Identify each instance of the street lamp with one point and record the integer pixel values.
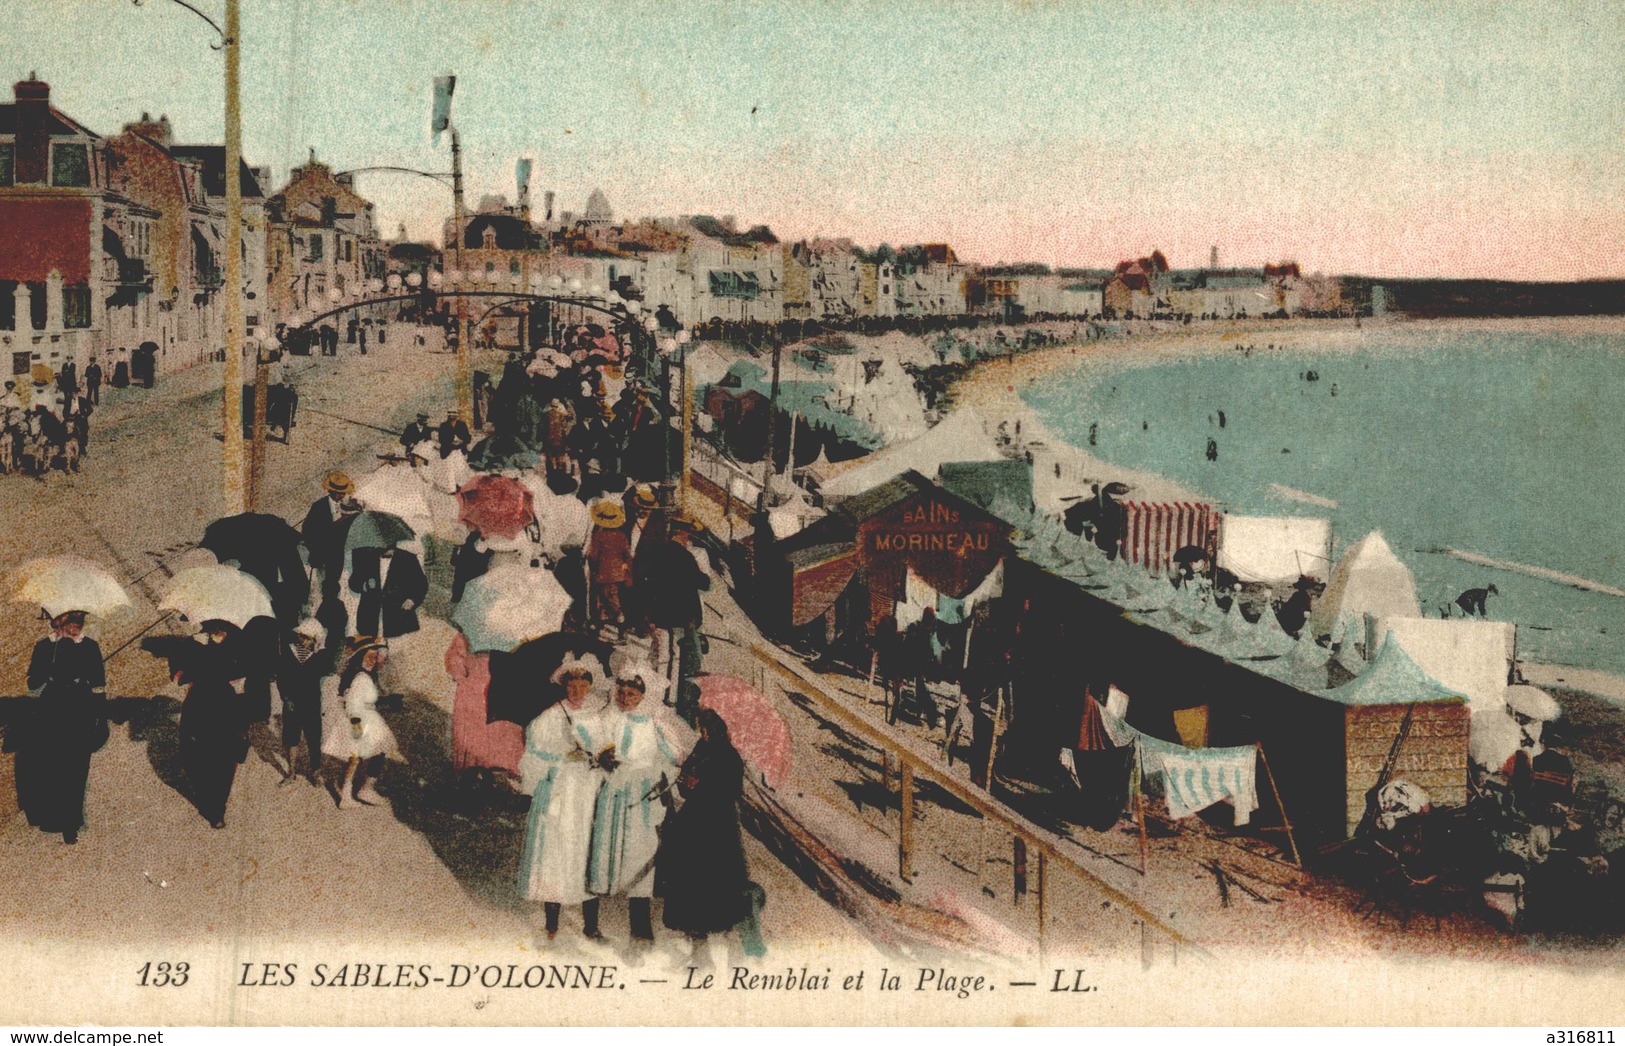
(237, 499)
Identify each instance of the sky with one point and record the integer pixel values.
(1390, 139)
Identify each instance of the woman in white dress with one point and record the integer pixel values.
(355, 733)
(566, 766)
(649, 744)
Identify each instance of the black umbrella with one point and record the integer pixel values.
(1117, 490)
(266, 548)
(245, 535)
(1190, 554)
(521, 687)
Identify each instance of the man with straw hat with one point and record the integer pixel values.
(609, 559)
(323, 532)
(670, 577)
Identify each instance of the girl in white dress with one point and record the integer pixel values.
(355, 732)
(565, 768)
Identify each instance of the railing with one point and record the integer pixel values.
(127, 272)
(741, 488)
(911, 759)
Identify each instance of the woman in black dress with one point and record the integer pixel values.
(67, 721)
(214, 718)
(700, 866)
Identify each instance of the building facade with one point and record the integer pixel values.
(113, 245)
(322, 247)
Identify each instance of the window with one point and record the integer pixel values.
(8, 162)
(8, 305)
(349, 250)
(76, 307)
(316, 247)
(513, 267)
(36, 305)
(21, 363)
(70, 164)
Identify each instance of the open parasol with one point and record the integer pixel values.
(217, 593)
(502, 453)
(63, 583)
(521, 682)
(373, 529)
(399, 491)
(496, 506)
(510, 605)
(754, 725)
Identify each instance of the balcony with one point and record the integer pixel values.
(127, 272)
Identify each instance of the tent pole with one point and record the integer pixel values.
(1139, 809)
(1291, 840)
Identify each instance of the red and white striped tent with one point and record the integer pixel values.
(1155, 530)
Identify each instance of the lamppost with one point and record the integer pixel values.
(678, 346)
(232, 412)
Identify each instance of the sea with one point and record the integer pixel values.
(1486, 453)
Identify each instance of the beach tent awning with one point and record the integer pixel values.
(961, 436)
(1473, 658)
(1392, 679)
(1275, 550)
(1369, 579)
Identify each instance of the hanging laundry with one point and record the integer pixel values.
(1191, 726)
(1092, 736)
(1193, 779)
(1197, 778)
(917, 596)
(1103, 781)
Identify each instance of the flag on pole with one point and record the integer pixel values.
(521, 173)
(443, 86)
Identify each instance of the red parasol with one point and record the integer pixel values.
(754, 725)
(496, 506)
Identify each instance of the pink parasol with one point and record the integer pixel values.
(755, 726)
(496, 506)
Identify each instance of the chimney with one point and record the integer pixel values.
(1213, 257)
(547, 204)
(33, 148)
(157, 130)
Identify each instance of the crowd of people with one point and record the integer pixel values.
(633, 787)
(50, 429)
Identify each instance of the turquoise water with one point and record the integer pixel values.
(1505, 444)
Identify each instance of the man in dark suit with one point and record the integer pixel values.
(417, 432)
(392, 585)
(325, 528)
(453, 434)
(93, 382)
(670, 579)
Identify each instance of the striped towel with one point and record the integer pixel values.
(1196, 778)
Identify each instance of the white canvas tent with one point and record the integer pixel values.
(961, 436)
(1369, 579)
(1275, 550)
(1471, 657)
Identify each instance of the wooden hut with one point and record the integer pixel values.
(873, 541)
